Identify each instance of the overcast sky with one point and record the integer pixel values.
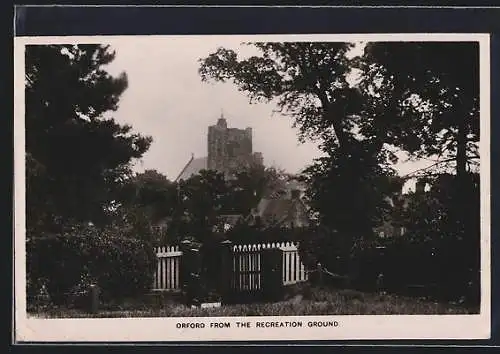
(167, 100)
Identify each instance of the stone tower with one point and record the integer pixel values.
(229, 149)
(217, 140)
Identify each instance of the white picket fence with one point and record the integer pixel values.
(294, 270)
(246, 258)
(167, 275)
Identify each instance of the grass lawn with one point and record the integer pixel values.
(297, 303)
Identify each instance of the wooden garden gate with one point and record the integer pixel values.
(255, 274)
(238, 273)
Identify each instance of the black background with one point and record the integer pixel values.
(83, 21)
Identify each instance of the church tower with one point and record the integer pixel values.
(217, 141)
(229, 149)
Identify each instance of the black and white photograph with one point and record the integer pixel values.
(246, 187)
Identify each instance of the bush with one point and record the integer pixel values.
(121, 266)
(245, 234)
(444, 269)
(320, 245)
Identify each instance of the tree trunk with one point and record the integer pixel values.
(339, 132)
(461, 158)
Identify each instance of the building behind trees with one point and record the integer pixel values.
(229, 152)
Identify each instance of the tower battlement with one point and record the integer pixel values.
(229, 149)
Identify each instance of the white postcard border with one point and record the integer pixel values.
(165, 329)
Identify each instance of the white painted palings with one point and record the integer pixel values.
(247, 263)
(167, 275)
(246, 266)
(293, 269)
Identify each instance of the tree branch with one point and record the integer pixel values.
(427, 168)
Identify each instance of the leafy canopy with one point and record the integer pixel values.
(312, 83)
(428, 97)
(308, 82)
(77, 155)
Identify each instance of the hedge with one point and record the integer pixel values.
(121, 266)
(446, 270)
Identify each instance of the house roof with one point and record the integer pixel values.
(273, 208)
(277, 211)
(193, 167)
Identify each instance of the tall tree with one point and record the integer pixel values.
(350, 192)
(310, 82)
(430, 92)
(201, 199)
(251, 185)
(430, 95)
(152, 193)
(83, 152)
(245, 190)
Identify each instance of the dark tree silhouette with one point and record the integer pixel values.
(77, 156)
(430, 95)
(310, 82)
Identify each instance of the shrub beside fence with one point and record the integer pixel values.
(67, 264)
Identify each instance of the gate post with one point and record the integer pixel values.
(191, 272)
(184, 247)
(226, 270)
(272, 275)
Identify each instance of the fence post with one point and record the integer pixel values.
(226, 269)
(272, 266)
(191, 272)
(184, 246)
(93, 298)
(319, 274)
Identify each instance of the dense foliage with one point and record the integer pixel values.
(430, 100)
(78, 159)
(120, 264)
(77, 155)
(254, 234)
(192, 207)
(413, 97)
